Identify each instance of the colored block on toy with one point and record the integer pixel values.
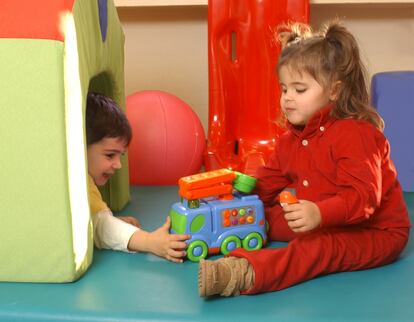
(46, 73)
(168, 140)
(393, 97)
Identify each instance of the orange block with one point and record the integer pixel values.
(217, 190)
(286, 197)
(206, 179)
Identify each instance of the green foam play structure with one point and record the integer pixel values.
(52, 53)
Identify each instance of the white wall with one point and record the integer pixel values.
(385, 32)
(166, 49)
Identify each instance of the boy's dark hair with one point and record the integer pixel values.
(104, 119)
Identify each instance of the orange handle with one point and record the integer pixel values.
(287, 198)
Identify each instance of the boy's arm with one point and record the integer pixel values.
(108, 231)
(111, 232)
(160, 242)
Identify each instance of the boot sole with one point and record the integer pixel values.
(202, 278)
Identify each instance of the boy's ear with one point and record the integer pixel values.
(335, 91)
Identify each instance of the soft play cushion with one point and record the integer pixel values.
(52, 53)
(393, 97)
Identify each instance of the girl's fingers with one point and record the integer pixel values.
(296, 224)
(290, 216)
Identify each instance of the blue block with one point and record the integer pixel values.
(393, 97)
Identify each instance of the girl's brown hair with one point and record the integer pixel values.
(330, 55)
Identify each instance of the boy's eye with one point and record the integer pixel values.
(110, 155)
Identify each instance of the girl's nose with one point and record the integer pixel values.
(287, 97)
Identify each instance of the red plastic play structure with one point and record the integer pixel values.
(243, 87)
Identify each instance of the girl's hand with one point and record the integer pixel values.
(130, 220)
(303, 216)
(170, 246)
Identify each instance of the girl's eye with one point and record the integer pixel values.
(300, 90)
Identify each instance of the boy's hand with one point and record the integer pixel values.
(303, 216)
(170, 246)
(130, 220)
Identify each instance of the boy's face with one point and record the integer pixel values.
(104, 158)
(302, 96)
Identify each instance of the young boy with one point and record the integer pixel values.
(108, 135)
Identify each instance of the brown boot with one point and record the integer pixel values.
(225, 276)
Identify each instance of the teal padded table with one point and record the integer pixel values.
(143, 287)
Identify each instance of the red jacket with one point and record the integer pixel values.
(343, 166)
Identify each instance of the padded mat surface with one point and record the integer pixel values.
(142, 287)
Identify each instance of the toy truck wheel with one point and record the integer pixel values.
(230, 243)
(253, 241)
(197, 250)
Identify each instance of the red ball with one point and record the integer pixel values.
(168, 139)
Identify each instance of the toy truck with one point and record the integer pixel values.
(218, 212)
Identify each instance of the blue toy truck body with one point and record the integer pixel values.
(220, 226)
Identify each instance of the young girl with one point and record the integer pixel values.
(351, 214)
(108, 134)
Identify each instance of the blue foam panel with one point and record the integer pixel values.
(393, 97)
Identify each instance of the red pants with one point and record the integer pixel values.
(320, 252)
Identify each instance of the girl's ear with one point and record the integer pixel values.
(335, 91)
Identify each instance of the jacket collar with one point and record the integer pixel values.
(321, 119)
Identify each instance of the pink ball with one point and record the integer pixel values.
(168, 139)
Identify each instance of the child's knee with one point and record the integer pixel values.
(278, 227)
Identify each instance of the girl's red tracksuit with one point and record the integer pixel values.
(344, 167)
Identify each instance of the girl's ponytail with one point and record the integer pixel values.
(292, 33)
(353, 100)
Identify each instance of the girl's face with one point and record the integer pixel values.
(302, 96)
(104, 158)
